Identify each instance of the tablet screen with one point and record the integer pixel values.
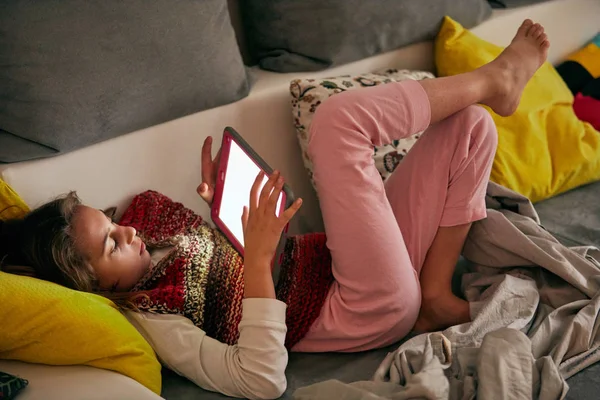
(239, 178)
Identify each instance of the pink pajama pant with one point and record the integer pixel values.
(379, 234)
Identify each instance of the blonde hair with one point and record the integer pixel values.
(42, 245)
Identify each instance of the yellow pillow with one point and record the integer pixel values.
(589, 57)
(45, 323)
(11, 205)
(543, 149)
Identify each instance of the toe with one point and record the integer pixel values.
(545, 44)
(543, 37)
(541, 31)
(532, 30)
(524, 27)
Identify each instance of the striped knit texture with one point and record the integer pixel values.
(201, 278)
(304, 282)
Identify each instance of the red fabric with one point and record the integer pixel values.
(304, 283)
(202, 278)
(587, 109)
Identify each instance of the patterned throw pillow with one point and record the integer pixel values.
(10, 386)
(308, 94)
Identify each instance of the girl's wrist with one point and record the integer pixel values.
(255, 262)
(258, 281)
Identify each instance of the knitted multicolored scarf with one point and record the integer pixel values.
(201, 277)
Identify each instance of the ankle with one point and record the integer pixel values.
(491, 78)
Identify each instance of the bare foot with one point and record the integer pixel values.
(515, 66)
(440, 312)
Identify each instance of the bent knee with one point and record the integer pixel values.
(476, 112)
(483, 129)
(329, 114)
(332, 120)
(405, 308)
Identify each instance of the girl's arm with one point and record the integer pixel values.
(262, 230)
(254, 368)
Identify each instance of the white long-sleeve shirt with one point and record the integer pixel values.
(254, 368)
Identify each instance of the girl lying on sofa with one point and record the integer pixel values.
(383, 269)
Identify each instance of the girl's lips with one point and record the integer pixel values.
(142, 248)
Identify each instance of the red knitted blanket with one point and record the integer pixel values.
(201, 277)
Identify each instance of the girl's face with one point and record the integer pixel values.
(118, 256)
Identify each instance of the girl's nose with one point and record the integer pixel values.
(130, 232)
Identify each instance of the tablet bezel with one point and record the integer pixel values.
(230, 135)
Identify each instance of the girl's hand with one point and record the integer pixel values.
(262, 227)
(206, 189)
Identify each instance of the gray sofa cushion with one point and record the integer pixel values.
(306, 369)
(513, 3)
(76, 72)
(303, 369)
(573, 217)
(308, 35)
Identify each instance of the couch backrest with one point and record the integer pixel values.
(236, 20)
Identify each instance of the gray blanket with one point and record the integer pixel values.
(534, 307)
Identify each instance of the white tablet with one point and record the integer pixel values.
(238, 168)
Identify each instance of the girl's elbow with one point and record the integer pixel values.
(268, 388)
(275, 388)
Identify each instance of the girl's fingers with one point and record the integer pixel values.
(202, 189)
(288, 214)
(245, 218)
(207, 163)
(215, 166)
(267, 189)
(205, 192)
(274, 197)
(254, 191)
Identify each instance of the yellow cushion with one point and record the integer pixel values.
(11, 205)
(543, 149)
(589, 57)
(45, 323)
